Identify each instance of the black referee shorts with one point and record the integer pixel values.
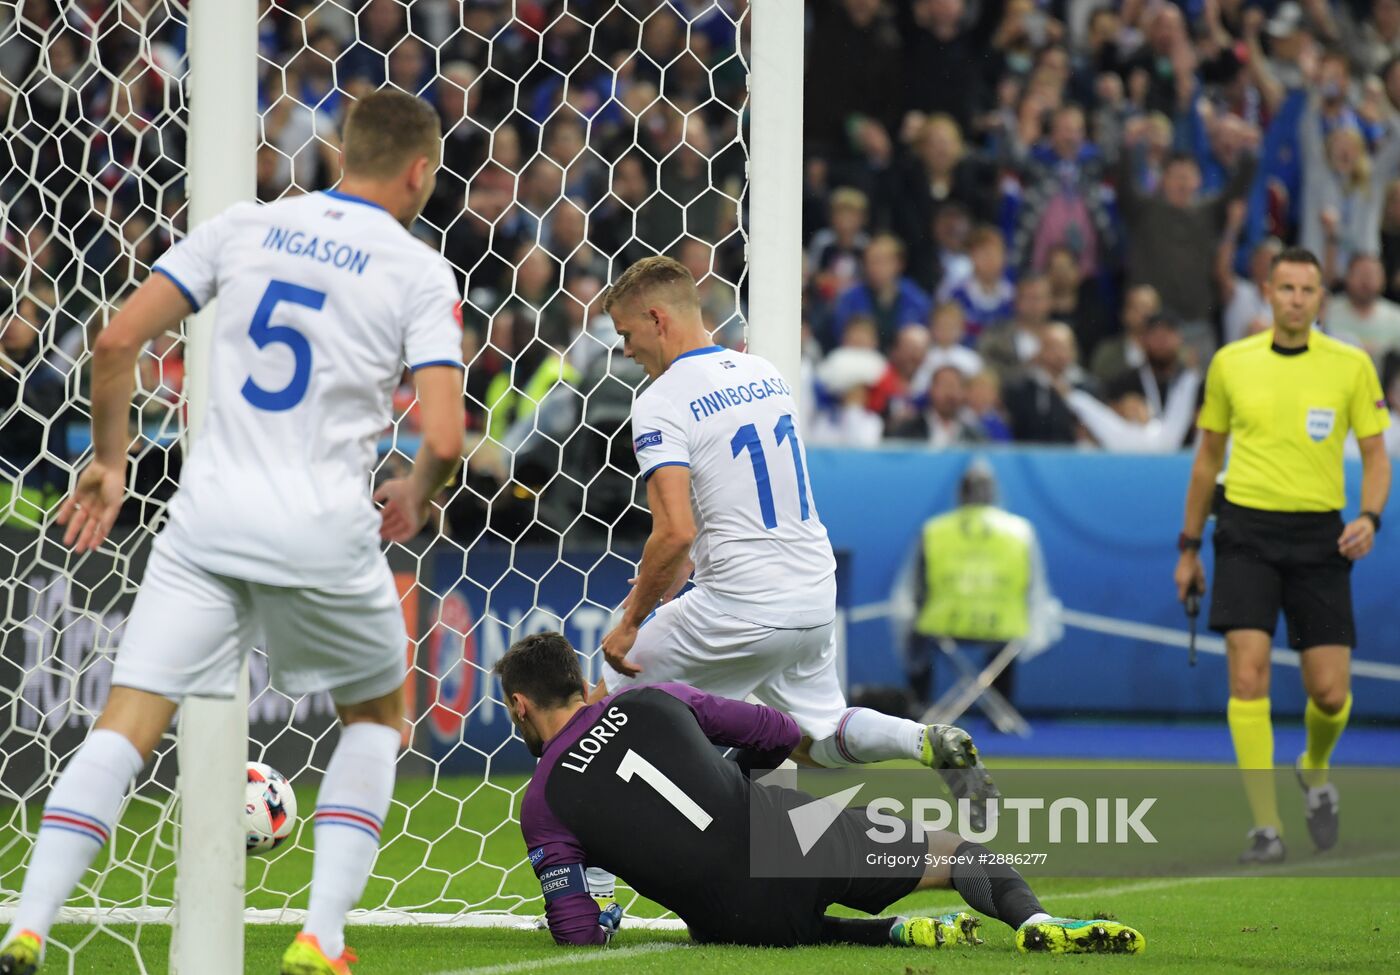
(1271, 560)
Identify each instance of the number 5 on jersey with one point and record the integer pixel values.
(264, 333)
(747, 439)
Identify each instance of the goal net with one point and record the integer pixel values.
(579, 136)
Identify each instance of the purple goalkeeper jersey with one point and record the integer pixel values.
(634, 784)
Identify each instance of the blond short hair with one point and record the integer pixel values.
(652, 274)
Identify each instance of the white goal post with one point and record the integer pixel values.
(452, 853)
(207, 935)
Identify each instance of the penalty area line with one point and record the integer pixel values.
(571, 958)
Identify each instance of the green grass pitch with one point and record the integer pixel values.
(1260, 925)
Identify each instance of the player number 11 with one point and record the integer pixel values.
(747, 439)
(634, 764)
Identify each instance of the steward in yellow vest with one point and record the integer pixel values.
(977, 570)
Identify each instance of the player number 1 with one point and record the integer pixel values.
(634, 764)
(746, 438)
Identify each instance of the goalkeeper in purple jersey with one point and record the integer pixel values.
(632, 783)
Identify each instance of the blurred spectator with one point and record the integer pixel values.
(1163, 378)
(835, 252)
(984, 399)
(947, 421)
(1370, 41)
(883, 293)
(1101, 54)
(161, 369)
(847, 376)
(987, 296)
(1119, 353)
(379, 27)
(1217, 139)
(1171, 235)
(845, 33)
(861, 333)
(33, 431)
(718, 300)
(1061, 200)
(566, 238)
(1361, 315)
(938, 173)
(952, 264)
(945, 60)
(947, 329)
(1390, 238)
(1165, 65)
(1010, 347)
(894, 396)
(1242, 298)
(1035, 403)
(1127, 425)
(1074, 299)
(492, 359)
(1343, 187)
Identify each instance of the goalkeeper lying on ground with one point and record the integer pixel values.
(633, 784)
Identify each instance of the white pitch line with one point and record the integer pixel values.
(572, 958)
(1277, 871)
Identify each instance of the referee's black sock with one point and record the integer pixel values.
(995, 890)
(857, 930)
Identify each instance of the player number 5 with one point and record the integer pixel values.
(264, 333)
(634, 764)
(747, 439)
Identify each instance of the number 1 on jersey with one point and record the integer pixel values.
(747, 439)
(634, 764)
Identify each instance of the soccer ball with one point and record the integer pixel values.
(270, 808)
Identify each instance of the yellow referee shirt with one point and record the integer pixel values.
(1287, 416)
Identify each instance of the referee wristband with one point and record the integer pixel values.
(1186, 543)
(1375, 520)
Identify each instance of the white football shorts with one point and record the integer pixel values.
(692, 641)
(189, 630)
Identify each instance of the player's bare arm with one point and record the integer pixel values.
(1358, 536)
(666, 553)
(90, 511)
(404, 501)
(1210, 458)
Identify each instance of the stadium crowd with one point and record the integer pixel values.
(1031, 221)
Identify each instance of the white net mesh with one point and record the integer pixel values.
(579, 137)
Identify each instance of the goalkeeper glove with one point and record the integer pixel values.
(610, 918)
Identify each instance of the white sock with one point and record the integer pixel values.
(864, 736)
(350, 811)
(1036, 919)
(601, 883)
(78, 819)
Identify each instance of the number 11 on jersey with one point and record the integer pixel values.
(747, 438)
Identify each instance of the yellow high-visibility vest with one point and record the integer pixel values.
(505, 404)
(977, 565)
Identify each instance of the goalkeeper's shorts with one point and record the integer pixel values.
(189, 630)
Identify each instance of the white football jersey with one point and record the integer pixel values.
(760, 550)
(323, 298)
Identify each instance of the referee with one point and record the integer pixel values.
(1287, 399)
